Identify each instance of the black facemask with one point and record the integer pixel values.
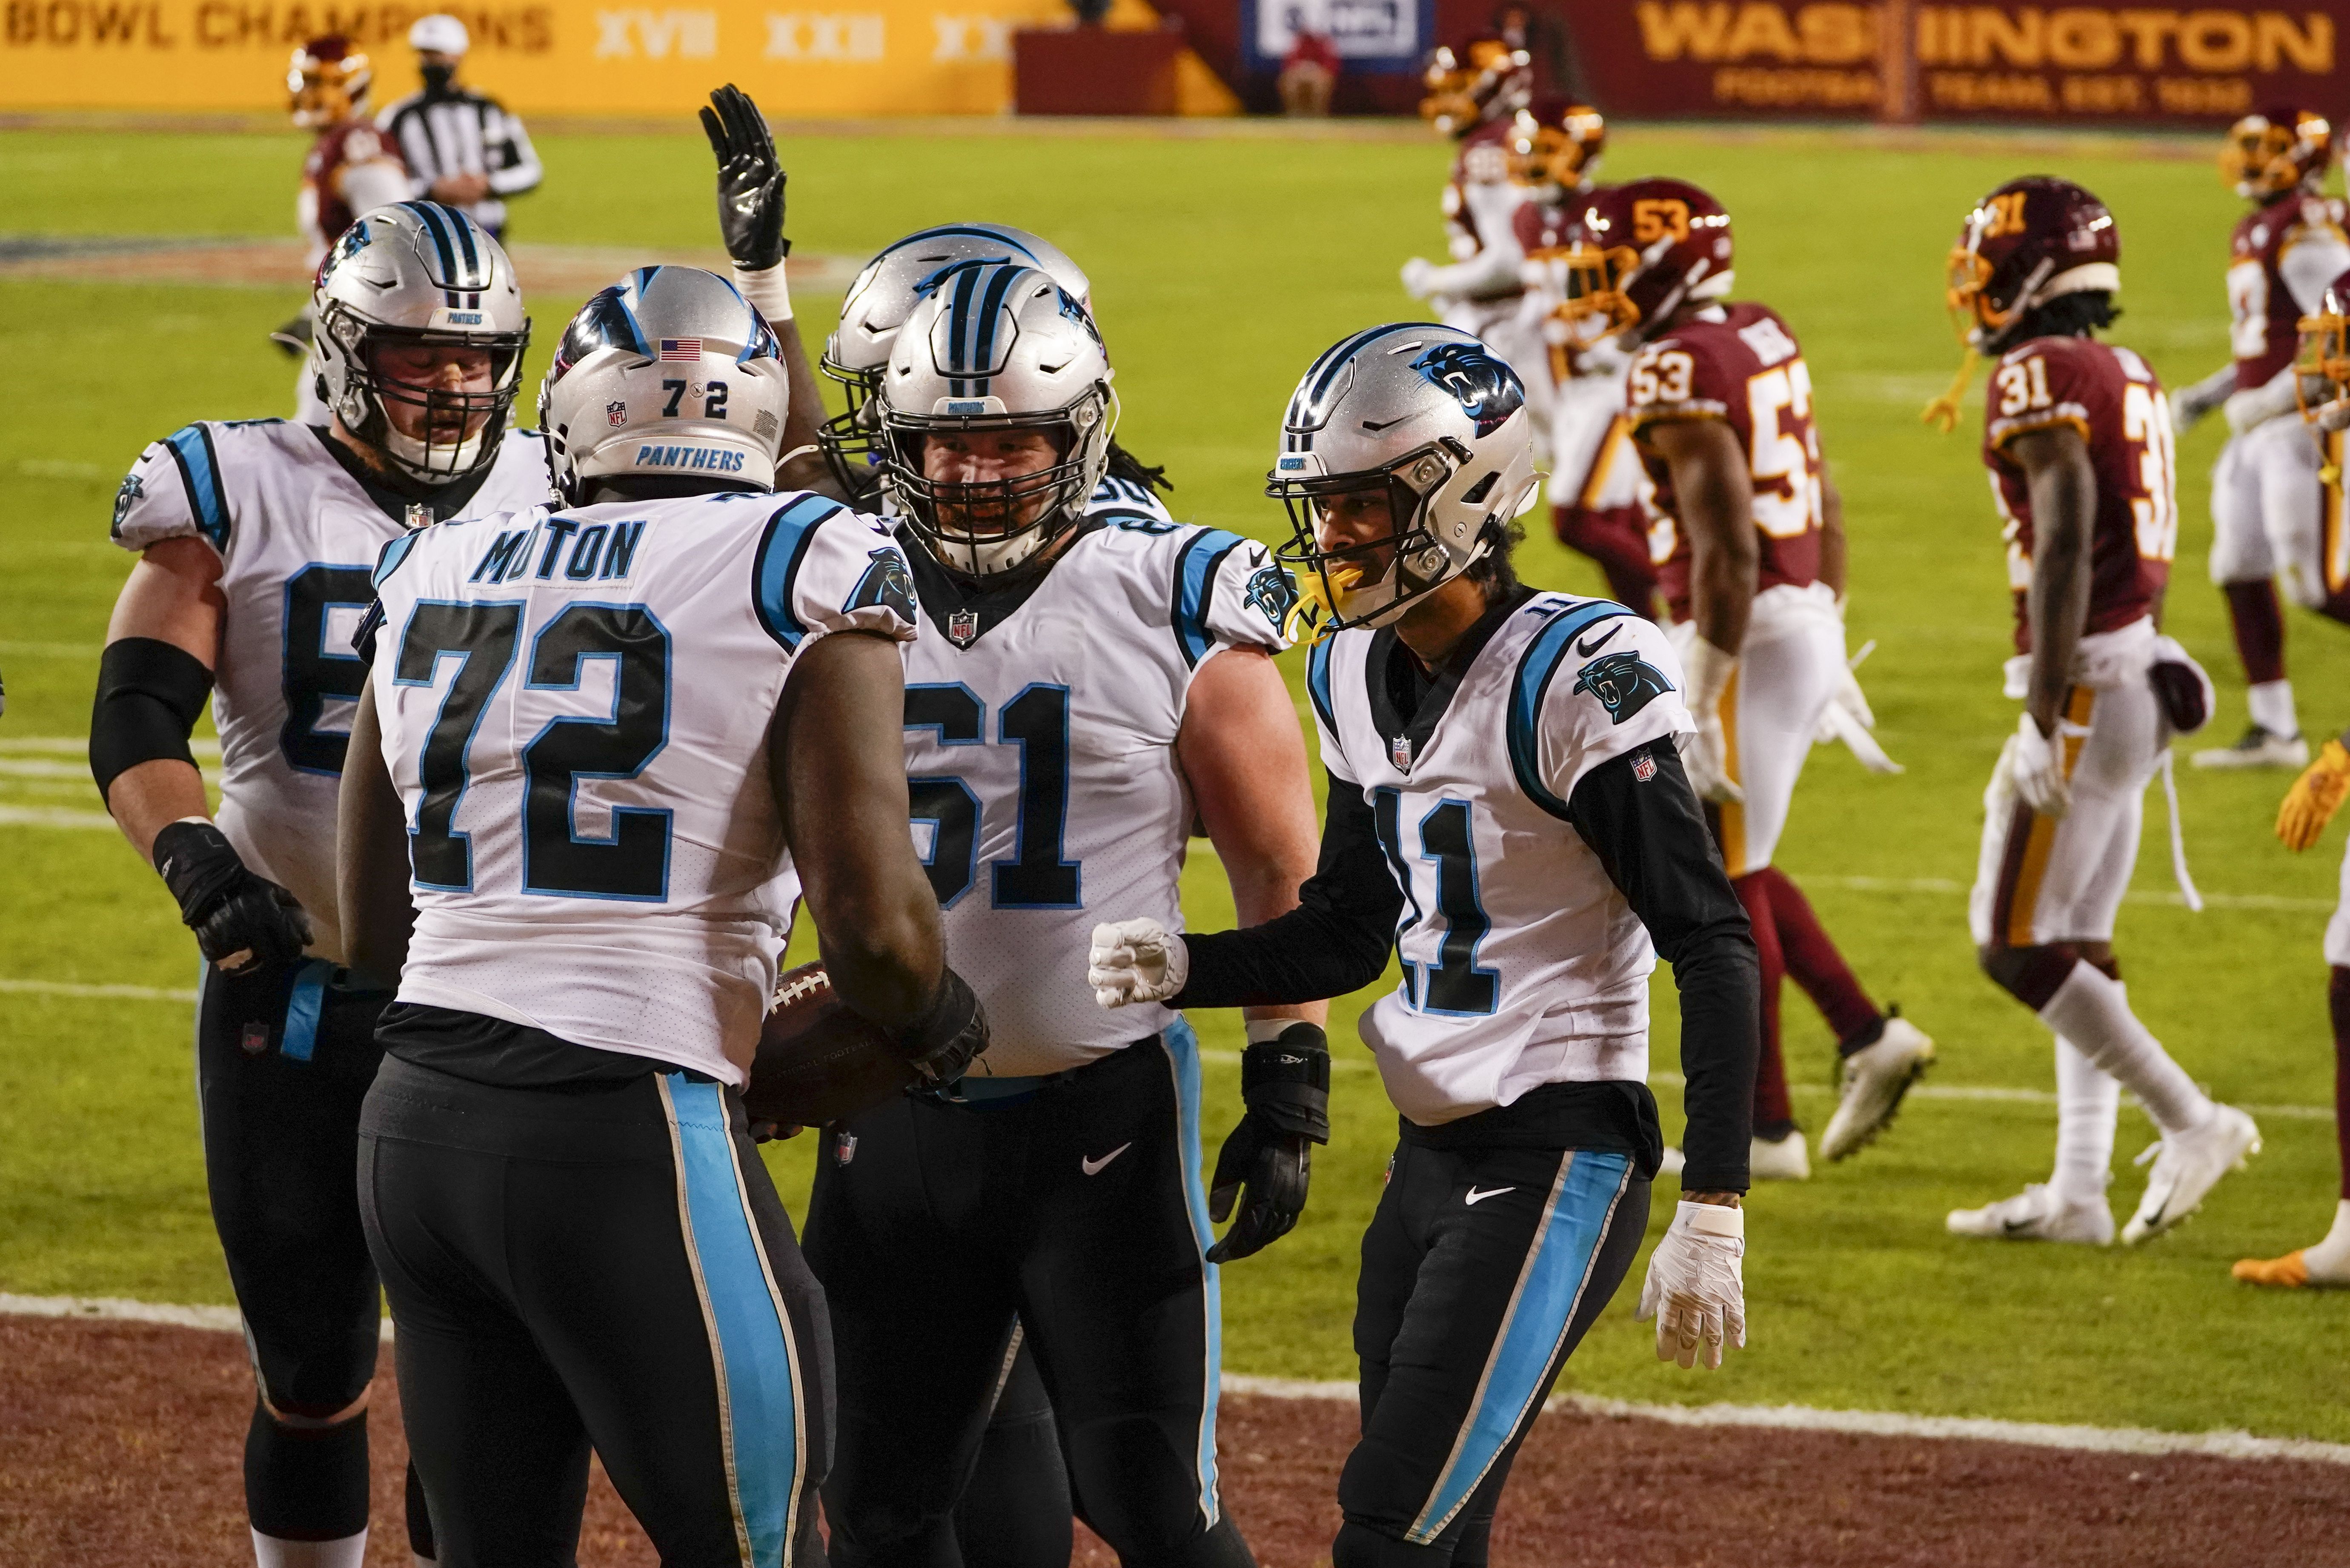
(436, 78)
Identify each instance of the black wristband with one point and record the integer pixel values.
(199, 866)
(1287, 1080)
(944, 1042)
(150, 695)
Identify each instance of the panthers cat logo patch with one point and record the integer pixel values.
(1623, 682)
(125, 499)
(887, 582)
(1273, 593)
(1488, 391)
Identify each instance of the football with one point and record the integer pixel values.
(818, 1059)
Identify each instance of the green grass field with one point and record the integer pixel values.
(1221, 264)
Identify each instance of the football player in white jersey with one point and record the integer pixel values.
(614, 740)
(1509, 815)
(1085, 690)
(255, 538)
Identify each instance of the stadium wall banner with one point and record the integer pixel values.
(2083, 64)
(801, 58)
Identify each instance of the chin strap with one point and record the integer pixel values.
(1943, 412)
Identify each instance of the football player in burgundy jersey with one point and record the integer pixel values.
(2264, 489)
(1595, 480)
(2318, 794)
(2077, 436)
(1474, 95)
(1749, 544)
(349, 170)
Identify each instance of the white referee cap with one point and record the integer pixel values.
(442, 34)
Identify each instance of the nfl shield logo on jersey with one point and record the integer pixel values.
(963, 628)
(1400, 752)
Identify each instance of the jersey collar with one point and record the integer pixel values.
(964, 611)
(1407, 701)
(442, 502)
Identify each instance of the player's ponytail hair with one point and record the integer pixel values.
(2068, 315)
(1124, 464)
(1495, 571)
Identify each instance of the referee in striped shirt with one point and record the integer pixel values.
(463, 150)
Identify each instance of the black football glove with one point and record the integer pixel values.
(948, 1039)
(242, 922)
(1285, 1083)
(750, 181)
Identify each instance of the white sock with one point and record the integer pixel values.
(2272, 705)
(2332, 1256)
(351, 1552)
(2092, 1010)
(2088, 1103)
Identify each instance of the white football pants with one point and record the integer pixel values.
(2265, 505)
(1593, 465)
(1786, 673)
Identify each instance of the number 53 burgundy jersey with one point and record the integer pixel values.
(2112, 398)
(1739, 363)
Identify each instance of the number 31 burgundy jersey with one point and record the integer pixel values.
(2109, 395)
(1740, 364)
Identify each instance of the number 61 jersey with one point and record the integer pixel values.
(575, 708)
(1522, 964)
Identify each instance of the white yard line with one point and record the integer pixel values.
(55, 816)
(205, 749)
(74, 988)
(2175, 901)
(117, 1309)
(2019, 1096)
(1877, 1424)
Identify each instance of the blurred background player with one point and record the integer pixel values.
(2077, 436)
(256, 539)
(464, 150)
(1474, 95)
(1461, 712)
(349, 170)
(2264, 488)
(1750, 540)
(2318, 794)
(1595, 482)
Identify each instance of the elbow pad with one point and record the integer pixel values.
(150, 695)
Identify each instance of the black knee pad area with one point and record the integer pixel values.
(306, 1483)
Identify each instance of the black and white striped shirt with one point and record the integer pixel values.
(462, 132)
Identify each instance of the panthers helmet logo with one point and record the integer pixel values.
(1273, 593)
(1488, 391)
(1623, 682)
(887, 583)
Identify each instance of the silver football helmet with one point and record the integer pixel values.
(670, 373)
(995, 350)
(419, 275)
(878, 304)
(1436, 420)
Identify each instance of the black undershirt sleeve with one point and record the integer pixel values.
(1336, 941)
(1650, 835)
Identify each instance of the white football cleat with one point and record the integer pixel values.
(1785, 1160)
(2259, 749)
(1875, 1079)
(1672, 1163)
(2037, 1214)
(2187, 1167)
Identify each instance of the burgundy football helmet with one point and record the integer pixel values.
(1557, 143)
(2022, 246)
(1637, 253)
(1485, 79)
(2276, 152)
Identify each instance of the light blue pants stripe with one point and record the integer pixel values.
(1549, 1290)
(754, 1351)
(1183, 1052)
(300, 1037)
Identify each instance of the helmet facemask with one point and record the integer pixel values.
(1598, 302)
(1373, 582)
(852, 439)
(2321, 365)
(2266, 158)
(989, 530)
(327, 87)
(461, 426)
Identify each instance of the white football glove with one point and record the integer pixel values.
(1696, 1285)
(1705, 756)
(2034, 765)
(1848, 719)
(2190, 403)
(1136, 960)
(1420, 277)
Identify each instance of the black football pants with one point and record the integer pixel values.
(605, 1265)
(283, 1060)
(1014, 1508)
(1078, 1210)
(1483, 1268)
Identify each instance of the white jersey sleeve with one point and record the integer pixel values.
(1319, 661)
(174, 491)
(1595, 683)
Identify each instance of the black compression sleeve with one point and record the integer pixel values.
(1650, 835)
(150, 695)
(1336, 939)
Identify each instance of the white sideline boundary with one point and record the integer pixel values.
(2221, 1445)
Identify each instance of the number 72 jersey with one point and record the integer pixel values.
(2109, 396)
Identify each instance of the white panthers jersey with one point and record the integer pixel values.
(297, 536)
(574, 709)
(1040, 749)
(1523, 965)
